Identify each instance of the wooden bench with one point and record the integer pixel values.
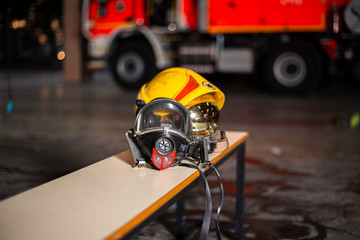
(108, 199)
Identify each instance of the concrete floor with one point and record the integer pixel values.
(302, 166)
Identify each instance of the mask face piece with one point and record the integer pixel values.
(162, 134)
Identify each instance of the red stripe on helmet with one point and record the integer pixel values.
(190, 86)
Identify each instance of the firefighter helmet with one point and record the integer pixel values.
(202, 99)
(182, 85)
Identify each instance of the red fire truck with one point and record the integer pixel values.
(288, 42)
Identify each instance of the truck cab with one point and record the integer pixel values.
(287, 42)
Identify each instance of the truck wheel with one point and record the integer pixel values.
(132, 64)
(292, 68)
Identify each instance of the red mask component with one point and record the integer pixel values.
(163, 153)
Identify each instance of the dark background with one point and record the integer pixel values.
(35, 42)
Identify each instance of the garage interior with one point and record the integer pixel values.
(302, 174)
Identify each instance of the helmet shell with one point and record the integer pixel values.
(183, 85)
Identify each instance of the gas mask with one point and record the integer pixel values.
(202, 99)
(163, 135)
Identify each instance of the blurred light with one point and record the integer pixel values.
(172, 26)
(336, 22)
(15, 24)
(55, 25)
(354, 120)
(10, 107)
(61, 55)
(32, 10)
(43, 38)
(140, 21)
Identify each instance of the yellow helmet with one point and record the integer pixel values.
(182, 85)
(202, 99)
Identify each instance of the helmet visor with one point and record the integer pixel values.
(205, 117)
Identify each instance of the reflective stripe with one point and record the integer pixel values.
(190, 86)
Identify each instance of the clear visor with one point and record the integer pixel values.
(164, 113)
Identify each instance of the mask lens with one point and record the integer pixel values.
(163, 114)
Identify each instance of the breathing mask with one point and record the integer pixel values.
(202, 99)
(163, 135)
(177, 118)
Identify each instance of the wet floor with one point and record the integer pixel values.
(303, 154)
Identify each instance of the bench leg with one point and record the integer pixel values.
(237, 225)
(180, 212)
(240, 185)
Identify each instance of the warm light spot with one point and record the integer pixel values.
(18, 24)
(42, 38)
(61, 55)
(55, 25)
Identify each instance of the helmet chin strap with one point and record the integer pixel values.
(139, 161)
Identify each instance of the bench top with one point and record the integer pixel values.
(104, 200)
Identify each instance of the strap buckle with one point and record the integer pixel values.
(139, 163)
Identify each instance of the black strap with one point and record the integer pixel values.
(218, 233)
(208, 207)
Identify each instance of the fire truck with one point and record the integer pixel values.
(288, 43)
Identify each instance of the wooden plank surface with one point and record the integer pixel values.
(106, 199)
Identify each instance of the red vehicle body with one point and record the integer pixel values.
(289, 42)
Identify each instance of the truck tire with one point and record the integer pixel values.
(132, 64)
(292, 68)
